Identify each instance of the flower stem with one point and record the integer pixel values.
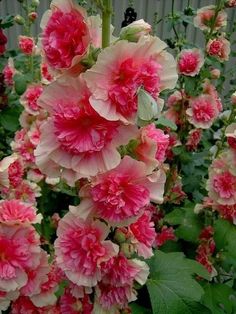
(106, 22)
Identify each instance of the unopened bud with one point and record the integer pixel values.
(19, 20)
(135, 30)
(215, 74)
(233, 98)
(35, 3)
(32, 16)
(127, 249)
(119, 236)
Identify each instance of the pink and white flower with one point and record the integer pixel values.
(30, 97)
(230, 133)
(75, 137)
(119, 195)
(65, 38)
(8, 72)
(219, 48)
(202, 112)
(205, 16)
(6, 298)
(26, 45)
(190, 61)
(81, 248)
(122, 69)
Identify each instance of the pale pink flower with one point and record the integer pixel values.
(190, 61)
(119, 195)
(4, 169)
(6, 298)
(135, 30)
(80, 249)
(210, 89)
(143, 232)
(230, 133)
(24, 305)
(26, 45)
(19, 247)
(14, 212)
(230, 3)
(8, 72)
(219, 48)
(65, 38)
(23, 146)
(35, 175)
(205, 16)
(193, 139)
(175, 102)
(122, 69)
(30, 97)
(36, 276)
(75, 137)
(202, 112)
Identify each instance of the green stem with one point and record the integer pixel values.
(106, 22)
(173, 15)
(217, 10)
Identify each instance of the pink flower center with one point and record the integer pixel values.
(117, 198)
(63, 38)
(128, 78)
(144, 230)
(188, 63)
(203, 110)
(32, 95)
(225, 184)
(82, 130)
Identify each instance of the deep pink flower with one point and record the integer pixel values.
(224, 184)
(119, 195)
(30, 97)
(193, 139)
(16, 212)
(25, 305)
(8, 72)
(3, 42)
(166, 233)
(72, 305)
(190, 61)
(219, 48)
(46, 76)
(202, 112)
(80, 249)
(230, 133)
(26, 45)
(75, 137)
(227, 212)
(205, 15)
(122, 69)
(143, 231)
(15, 173)
(65, 36)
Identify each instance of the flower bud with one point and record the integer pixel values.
(119, 236)
(215, 74)
(32, 16)
(127, 249)
(19, 19)
(35, 3)
(230, 3)
(233, 98)
(135, 30)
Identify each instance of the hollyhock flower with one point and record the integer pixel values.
(3, 42)
(230, 3)
(227, 212)
(143, 235)
(15, 173)
(230, 133)
(72, 305)
(122, 69)
(210, 89)
(233, 98)
(175, 103)
(135, 30)
(30, 97)
(26, 45)
(119, 195)
(205, 16)
(25, 305)
(46, 76)
(13, 212)
(46, 294)
(65, 37)
(190, 61)
(176, 194)
(219, 48)
(120, 271)
(75, 138)
(80, 249)
(4, 169)
(19, 247)
(202, 112)
(36, 276)
(166, 233)
(193, 139)
(6, 298)
(8, 72)
(34, 175)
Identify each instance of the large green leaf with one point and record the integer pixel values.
(218, 298)
(171, 286)
(9, 118)
(137, 309)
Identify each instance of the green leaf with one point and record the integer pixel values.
(148, 108)
(137, 309)
(20, 83)
(218, 298)
(171, 285)
(167, 123)
(192, 86)
(9, 118)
